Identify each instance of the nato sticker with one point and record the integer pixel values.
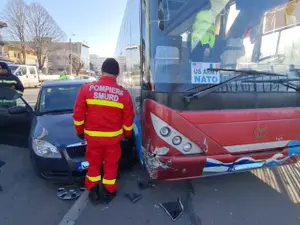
(201, 73)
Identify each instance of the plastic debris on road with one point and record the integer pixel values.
(134, 197)
(173, 209)
(144, 185)
(69, 193)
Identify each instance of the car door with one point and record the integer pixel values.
(23, 76)
(33, 78)
(15, 119)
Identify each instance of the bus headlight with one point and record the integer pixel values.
(173, 137)
(176, 140)
(165, 131)
(187, 147)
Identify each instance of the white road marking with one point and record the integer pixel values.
(74, 212)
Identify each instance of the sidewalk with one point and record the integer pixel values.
(146, 211)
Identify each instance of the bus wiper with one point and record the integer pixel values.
(244, 73)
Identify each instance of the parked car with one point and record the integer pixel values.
(55, 150)
(27, 74)
(89, 78)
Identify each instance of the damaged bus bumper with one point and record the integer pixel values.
(189, 167)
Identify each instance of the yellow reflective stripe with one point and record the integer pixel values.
(8, 81)
(94, 179)
(128, 128)
(103, 134)
(78, 123)
(3, 100)
(110, 182)
(104, 103)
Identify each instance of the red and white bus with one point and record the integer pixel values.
(209, 109)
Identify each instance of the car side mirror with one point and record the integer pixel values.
(17, 110)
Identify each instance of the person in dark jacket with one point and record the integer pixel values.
(9, 80)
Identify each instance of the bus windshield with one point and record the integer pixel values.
(190, 37)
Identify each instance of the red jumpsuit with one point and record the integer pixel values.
(104, 113)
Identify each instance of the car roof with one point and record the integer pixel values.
(11, 64)
(62, 83)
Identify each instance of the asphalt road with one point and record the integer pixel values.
(30, 95)
(258, 197)
(26, 199)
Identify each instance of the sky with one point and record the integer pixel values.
(95, 21)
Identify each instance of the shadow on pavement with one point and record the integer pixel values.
(256, 197)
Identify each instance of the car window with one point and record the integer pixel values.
(58, 98)
(23, 70)
(31, 71)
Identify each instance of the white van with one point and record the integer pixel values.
(27, 74)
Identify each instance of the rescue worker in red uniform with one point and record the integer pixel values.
(103, 113)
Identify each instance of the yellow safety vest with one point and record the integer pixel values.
(203, 29)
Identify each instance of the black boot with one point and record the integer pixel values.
(96, 194)
(109, 196)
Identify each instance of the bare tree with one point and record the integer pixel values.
(42, 30)
(15, 14)
(77, 65)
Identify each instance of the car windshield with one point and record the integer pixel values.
(13, 68)
(57, 99)
(188, 37)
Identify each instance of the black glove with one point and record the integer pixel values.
(81, 136)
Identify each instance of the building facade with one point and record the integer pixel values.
(96, 62)
(59, 57)
(127, 50)
(11, 51)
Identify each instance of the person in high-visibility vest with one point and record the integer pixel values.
(203, 31)
(9, 80)
(63, 76)
(202, 35)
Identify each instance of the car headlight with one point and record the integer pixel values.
(45, 149)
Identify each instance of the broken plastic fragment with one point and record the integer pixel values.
(134, 197)
(173, 209)
(69, 193)
(145, 185)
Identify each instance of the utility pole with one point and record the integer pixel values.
(71, 58)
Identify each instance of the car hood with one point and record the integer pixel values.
(56, 129)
